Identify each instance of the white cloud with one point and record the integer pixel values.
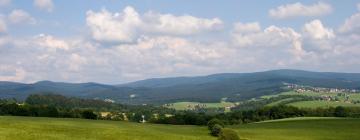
(106, 26)
(20, 16)
(76, 61)
(351, 25)
(358, 6)
(5, 2)
(284, 41)
(44, 5)
(11, 73)
(129, 24)
(247, 27)
(298, 10)
(180, 25)
(51, 43)
(316, 30)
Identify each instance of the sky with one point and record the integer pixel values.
(118, 41)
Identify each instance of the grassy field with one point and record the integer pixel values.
(316, 103)
(185, 105)
(302, 129)
(28, 128)
(321, 104)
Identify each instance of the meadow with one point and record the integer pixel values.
(29, 128)
(188, 105)
(301, 129)
(315, 103)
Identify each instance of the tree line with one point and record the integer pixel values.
(67, 107)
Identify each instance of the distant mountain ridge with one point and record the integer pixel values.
(211, 88)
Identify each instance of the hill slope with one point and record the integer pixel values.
(26, 128)
(211, 88)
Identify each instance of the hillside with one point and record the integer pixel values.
(235, 86)
(301, 129)
(27, 128)
(23, 128)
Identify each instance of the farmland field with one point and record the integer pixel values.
(321, 104)
(28, 128)
(340, 99)
(185, 105)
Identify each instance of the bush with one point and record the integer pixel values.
(228, 134)
(88, 114)
(216, 129)
(213, 122)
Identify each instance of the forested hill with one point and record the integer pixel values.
(235, 86)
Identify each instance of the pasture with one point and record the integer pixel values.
(312, 128)
(191, 105)
(29, 128)
(301, 129)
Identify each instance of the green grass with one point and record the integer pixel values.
(279, 102)
(321, 104)
(28, 128)
(316, 104)
(184, 105)
(301, 129)
(312, 128)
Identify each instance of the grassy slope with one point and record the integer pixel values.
(302, 129)
(316, 104)
(183, 105)
(321, 104)
(27, 128)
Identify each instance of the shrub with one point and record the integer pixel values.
(213, 122)
(216, 129)
(88, 114)
(228, 134)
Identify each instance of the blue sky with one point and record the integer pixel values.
(113, 41)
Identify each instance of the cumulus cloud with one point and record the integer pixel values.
(51, 43)
(351, 24)
(284, 40)
(163, 50)
(20, 16)
(180, 25)
(44, 5)
(127, 25)
(316, 30)
(317, 37)
(300, 10)
(106, 26)
(247, 27)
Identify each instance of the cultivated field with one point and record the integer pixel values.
(190, 105)
(341, 99)
(28, 128)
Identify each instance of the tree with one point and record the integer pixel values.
(228, 134)
(213, 122)
(340, 112)
(88, 114)
(215, 130)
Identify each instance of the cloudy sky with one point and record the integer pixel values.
(113, 41)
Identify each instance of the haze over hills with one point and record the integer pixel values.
(211, 88)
